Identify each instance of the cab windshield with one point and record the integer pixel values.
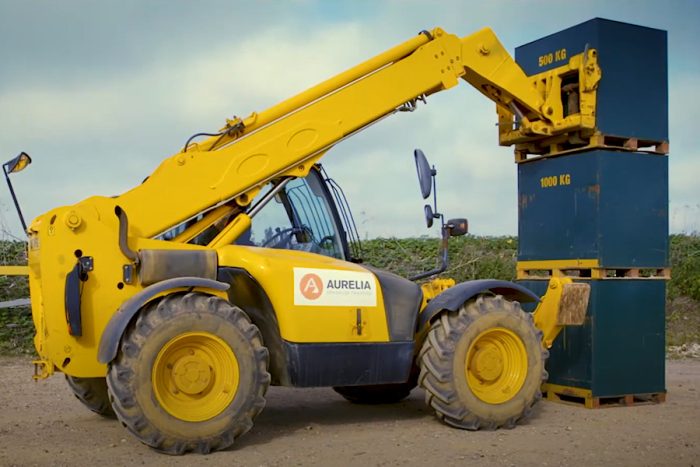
(300, 217)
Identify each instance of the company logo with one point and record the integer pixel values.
(334, 287)
(311, 286)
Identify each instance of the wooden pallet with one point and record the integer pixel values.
(566, 144)
(639, 273)
(630, 144)
(584, 397)
(524, 272)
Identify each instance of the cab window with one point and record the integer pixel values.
(299, 218)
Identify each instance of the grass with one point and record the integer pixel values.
(470, 258)
(682, 321)
(16, 331)
(685, 261)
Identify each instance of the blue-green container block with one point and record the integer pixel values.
(620, 349)
(633, 93)
(606, 205)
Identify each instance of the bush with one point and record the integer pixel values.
(685, 264)
(470, 258)
(16, 331)
(16, 327)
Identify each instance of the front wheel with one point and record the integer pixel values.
(190, 375)
(482, 366)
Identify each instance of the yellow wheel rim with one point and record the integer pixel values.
(496, 365)
(195, 376)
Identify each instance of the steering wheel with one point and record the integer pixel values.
(327, 242)
(287, 233)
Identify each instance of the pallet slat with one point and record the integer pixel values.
(583, 397)
(554, 147)
(595, 273)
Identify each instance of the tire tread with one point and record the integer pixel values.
(93, 394)
(120, 375)
(436, 364)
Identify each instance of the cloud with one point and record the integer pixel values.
(100, 94)
(684, 160)
(107, 135)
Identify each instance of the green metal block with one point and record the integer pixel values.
(633, 93)
(611, 206)
(620, 349)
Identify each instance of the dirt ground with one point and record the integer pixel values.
(43, 424)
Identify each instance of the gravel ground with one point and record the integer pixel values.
(685, 351)
(43, 424)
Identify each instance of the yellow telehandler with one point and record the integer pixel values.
(233, 266)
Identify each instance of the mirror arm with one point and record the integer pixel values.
(433, 174)
(444, 258)
(14, 198)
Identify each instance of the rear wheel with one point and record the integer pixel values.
(376, 394)
(379, 393)
(92, 392)
(482, 366)
(190, 375)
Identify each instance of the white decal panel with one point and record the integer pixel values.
(334, 287)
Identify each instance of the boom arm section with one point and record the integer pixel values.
(287, 139)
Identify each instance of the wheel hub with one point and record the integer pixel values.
(487, 363)
(496, 365)
(195, 376)
(191, 374)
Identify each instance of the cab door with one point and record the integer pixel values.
(302, 217)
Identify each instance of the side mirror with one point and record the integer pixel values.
(17, 164)
(429, 215)
(425, 173)
(457, 227)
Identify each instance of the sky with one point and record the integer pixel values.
(98, 93)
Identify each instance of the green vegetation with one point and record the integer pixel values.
(495, 257)
(16, 331)
(470, 258)
(685, 261)
(683, 305)
(16, 328)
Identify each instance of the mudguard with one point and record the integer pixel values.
(109, 342)
(454, 297)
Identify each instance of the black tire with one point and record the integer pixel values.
(158, 401)
(376, 394)
(93, 393)
(450, 354)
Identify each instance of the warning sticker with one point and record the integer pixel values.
(333, 287)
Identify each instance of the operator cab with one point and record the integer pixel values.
(305, 216)
(302, 217)
(311, 214)
(308, 214)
